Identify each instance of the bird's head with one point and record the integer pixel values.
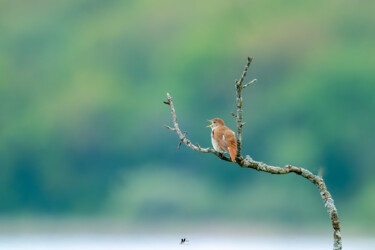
(216, 122)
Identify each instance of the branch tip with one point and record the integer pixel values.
(247, 84)
(170, 128)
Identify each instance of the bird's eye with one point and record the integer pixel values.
(214, 122)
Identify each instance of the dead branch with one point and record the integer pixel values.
(248, 162)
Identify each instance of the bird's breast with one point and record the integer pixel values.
(215, 143)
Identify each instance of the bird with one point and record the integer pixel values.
(183, 241)
(223, 139)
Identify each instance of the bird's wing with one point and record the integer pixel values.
(230, 138)
(222, 144)
(219, 136)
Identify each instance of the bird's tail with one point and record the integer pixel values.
(232, 152)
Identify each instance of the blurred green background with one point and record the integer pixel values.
(81, 113)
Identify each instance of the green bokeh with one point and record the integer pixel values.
(81, 91)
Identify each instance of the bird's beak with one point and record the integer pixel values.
(209, 125)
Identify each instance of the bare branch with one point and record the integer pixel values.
(239, 88)
(316, 180)
(249, 59)
(247, 84)
(248, 162)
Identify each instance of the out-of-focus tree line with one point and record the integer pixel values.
(81, 112)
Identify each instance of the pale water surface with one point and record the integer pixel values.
(199, 242)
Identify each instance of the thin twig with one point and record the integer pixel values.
(173, 129)
(239, 87)
(247, 84)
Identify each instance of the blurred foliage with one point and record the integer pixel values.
(81, 90)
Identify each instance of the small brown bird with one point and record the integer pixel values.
(222, 138)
